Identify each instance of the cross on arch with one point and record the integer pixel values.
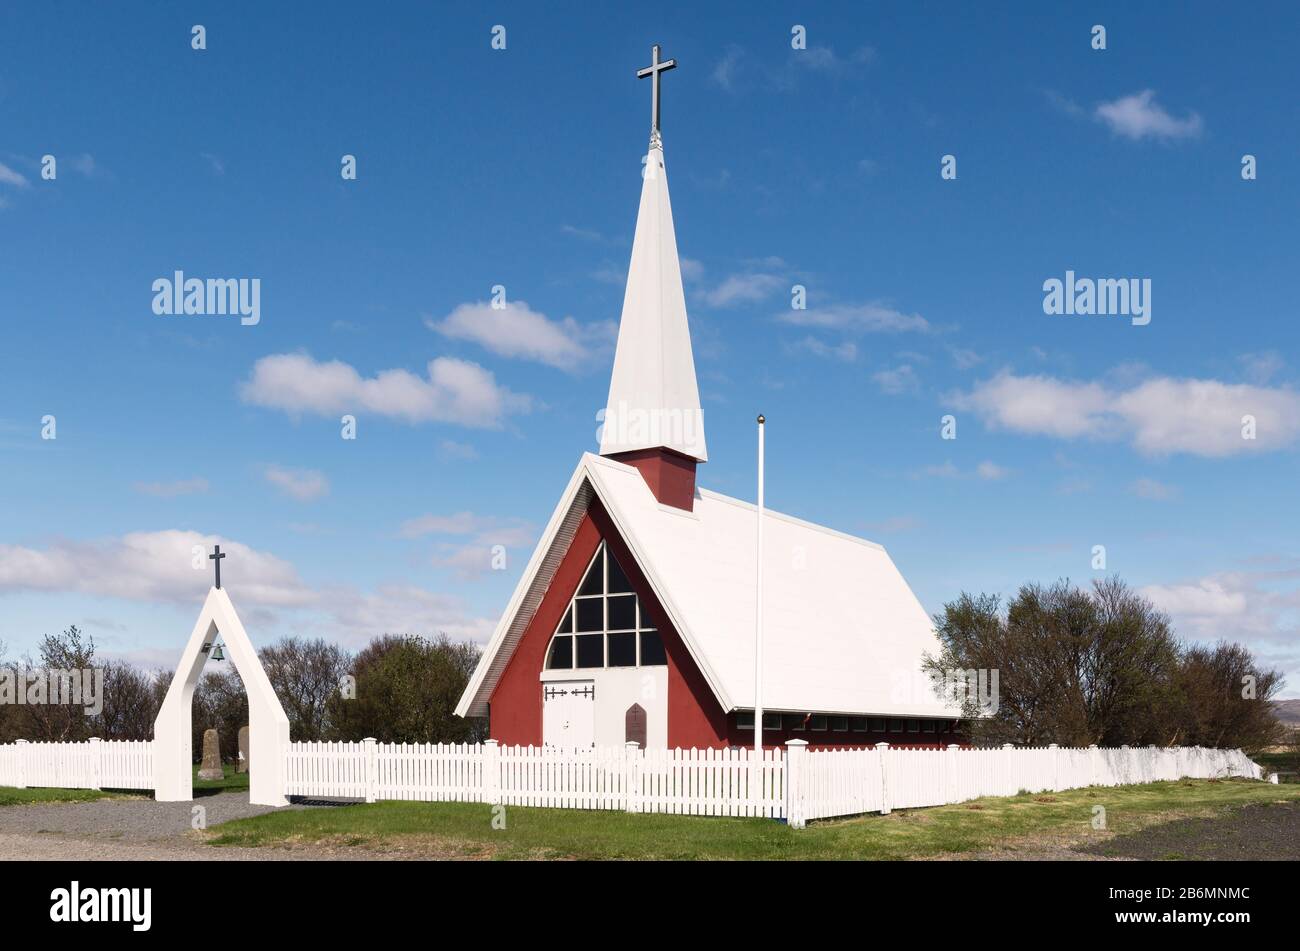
(215, 558)
(653, 70)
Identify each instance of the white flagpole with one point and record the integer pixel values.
(758, 609)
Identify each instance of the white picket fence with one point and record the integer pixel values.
(796, 784)
(879, 779)
(96, 764)
(701, 782)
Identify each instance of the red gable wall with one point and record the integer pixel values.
(694, 716)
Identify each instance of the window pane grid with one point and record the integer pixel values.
(627, 636)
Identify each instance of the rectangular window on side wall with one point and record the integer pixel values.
(839, 724)
(817, 723)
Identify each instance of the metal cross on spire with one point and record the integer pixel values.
(653, 71)
(216, 557)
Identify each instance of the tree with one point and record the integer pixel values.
(305, 674)
(61, 655)
(406, 692)
(1225, 698)
(1101, 666)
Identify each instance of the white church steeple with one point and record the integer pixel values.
(654, 402)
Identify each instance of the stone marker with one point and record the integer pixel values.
(211, 767)
(241, 766)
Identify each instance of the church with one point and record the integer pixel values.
(635, 618)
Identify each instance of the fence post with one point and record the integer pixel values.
(1093, 753)
(632, 776)
(795, 751)
(882, 752)
(22, 764)
(954, 783)
(96, 769)
(1009, 770)
(491, 792)
(1056, 766)
(372, 767)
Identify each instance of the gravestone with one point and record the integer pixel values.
(211, 767)
(241, 766)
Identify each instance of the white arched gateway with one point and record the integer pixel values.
(268, 727)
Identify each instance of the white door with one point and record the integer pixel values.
(569, 713)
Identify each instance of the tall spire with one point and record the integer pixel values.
(654, 403)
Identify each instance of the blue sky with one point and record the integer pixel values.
(520, 167)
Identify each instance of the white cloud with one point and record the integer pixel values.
(1145, 488)
(823, 59)
(168, 490)
(1258, 608)
(215, 162)
(462, 523)
(10, 177)
(1262, 366)
(151, 566)
(301, 484)
(986, 470)
(725, 74)
(517, 331)
(1158, 416)
(1139, 116)
(692, 270)
(856, 318)
(744, 288)
(450, 449)
(474, 557)
(157, 567)
(455, 391)
(846, 351)
(900, 379)
(83, 165)
(401, 609)
(511, 532)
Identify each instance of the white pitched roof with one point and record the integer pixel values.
(653, 397)
(843, 632)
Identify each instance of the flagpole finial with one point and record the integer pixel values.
(761, 419)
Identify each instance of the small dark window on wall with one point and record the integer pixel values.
(859, 724)
(840, 724)
(877, 724)
(794, 721)
(895, 726)
(913, 726)
(634, 725)
(929, 726)
(818, 723)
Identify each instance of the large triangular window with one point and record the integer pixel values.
(605, 625)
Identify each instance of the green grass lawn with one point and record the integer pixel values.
(232, 780)
(466, 828)
(9, 796)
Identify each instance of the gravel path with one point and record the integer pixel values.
(136, 829)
